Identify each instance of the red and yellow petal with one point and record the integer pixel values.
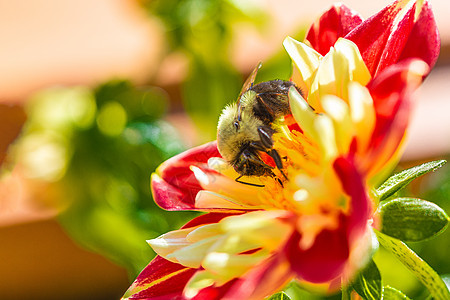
(174, 185)
(391, 92)
(163, 279)
(405, 29)
(424, 41)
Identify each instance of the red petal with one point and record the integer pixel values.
(175, 186)
(161, 279)
(360, 208)
(213, 293)
(327, 258)
(170, 197)
(424, 42)
(385, 38)
(197, 154)
(333, 24)
(391, 92)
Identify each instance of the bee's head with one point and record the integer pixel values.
(233, 132)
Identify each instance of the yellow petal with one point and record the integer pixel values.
(262, 228)
(357, 69)
(342, 64)
(323, 125)
(229, 266)
(233, 243)
(192, 256)
(203, 232)
(226, 186)
(362, 113)
(199, 281)
(339, 112)
(170, 242)
(318, 127)
(332, 78)
(206, 199)
(306, 61)
(303, 114)
(317, 197)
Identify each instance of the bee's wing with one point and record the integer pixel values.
(247, 84)
(250, 80)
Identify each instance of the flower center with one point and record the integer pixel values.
(310, 187)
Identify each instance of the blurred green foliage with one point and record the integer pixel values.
(99, 146)
(112, 139)
(203, 30)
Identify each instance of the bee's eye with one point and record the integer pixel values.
(236, 125)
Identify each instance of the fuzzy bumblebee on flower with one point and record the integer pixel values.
(290, 186)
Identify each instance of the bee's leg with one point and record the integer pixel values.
(248, 183)
(280, 182)
(277, 159)
(265, 136)
(253, 159)
(257, 145)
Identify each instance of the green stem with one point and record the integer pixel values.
(346, 293)
(416, 265)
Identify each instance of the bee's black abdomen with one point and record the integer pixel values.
(272, 100)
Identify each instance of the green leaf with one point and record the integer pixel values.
(411, 220)
(393, 294)
(416, 265)
(279, 296)
(400, 180)
(296, 291)
(446, 279)
(368, 283)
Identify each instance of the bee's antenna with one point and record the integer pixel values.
(284, 175)
(248, 183)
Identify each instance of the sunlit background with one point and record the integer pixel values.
(94, 95)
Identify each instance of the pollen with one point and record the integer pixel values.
(301, 157)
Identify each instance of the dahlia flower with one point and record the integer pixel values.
(342, 137)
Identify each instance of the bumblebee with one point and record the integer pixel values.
(245, 128)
